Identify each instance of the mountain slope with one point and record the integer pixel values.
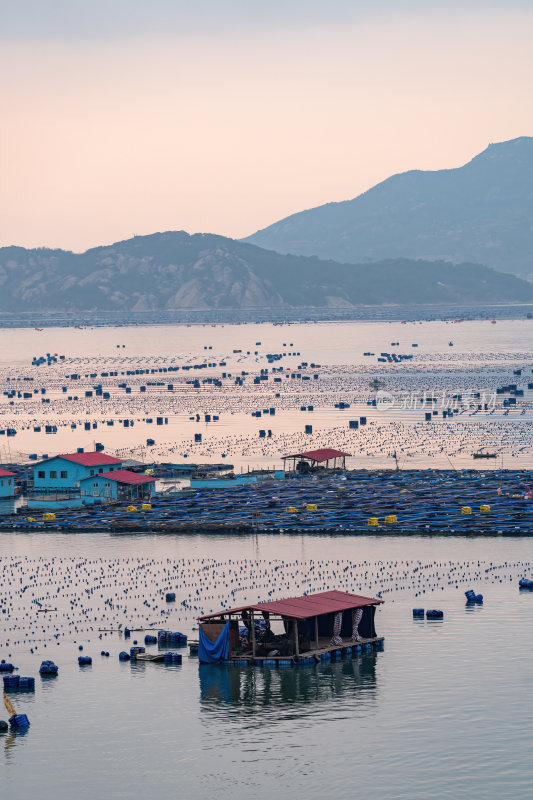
(173, 270)
(481, 212)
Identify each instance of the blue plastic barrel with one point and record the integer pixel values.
(19, 721)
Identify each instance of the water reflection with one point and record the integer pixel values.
(9, 740)
(49, 681)
(350, 683)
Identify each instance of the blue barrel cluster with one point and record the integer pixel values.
(19, 721)
(431, 613)
(123, 656)
(48, 668)
(171, 639)
(11, 682)
(150, 639)
(524, 583)
(5, 666)
(85, 661)
(170, 597)
(173, 658)
(472, 597)
(16, 683)
(134, 651)
(434, 613)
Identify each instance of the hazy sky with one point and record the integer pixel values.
(225, 115)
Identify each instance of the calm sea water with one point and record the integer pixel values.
(442, 712)
(483, 357)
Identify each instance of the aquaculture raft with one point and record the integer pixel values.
(353, 502)
(315, 627)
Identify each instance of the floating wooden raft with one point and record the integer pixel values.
(150, 657)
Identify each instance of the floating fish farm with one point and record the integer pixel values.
(351, 502)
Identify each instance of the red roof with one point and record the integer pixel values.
(320, 455)
(92, 459)
(4, 473)
(125, 476)
(310, 605)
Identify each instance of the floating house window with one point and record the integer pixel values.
(41, 474)
(53, 473)
(2, 483)
(92, 472)
(64, 473)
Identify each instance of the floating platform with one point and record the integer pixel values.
(150, 657)
(353, 502)
(325, 652)
(311, 628)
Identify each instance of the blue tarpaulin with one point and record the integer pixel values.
(211, 652)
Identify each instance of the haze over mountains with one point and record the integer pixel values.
(481, 212)
(418, 237)
(174, 270)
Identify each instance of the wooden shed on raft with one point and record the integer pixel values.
(309, 628)
(305, 462)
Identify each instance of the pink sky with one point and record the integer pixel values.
(227, 132)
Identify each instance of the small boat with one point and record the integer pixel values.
(480, 454)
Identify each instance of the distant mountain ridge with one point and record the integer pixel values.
(175, 270)
(481, 212)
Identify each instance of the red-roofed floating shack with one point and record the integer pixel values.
(120, 484)
(305, 462)
(297, 630)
